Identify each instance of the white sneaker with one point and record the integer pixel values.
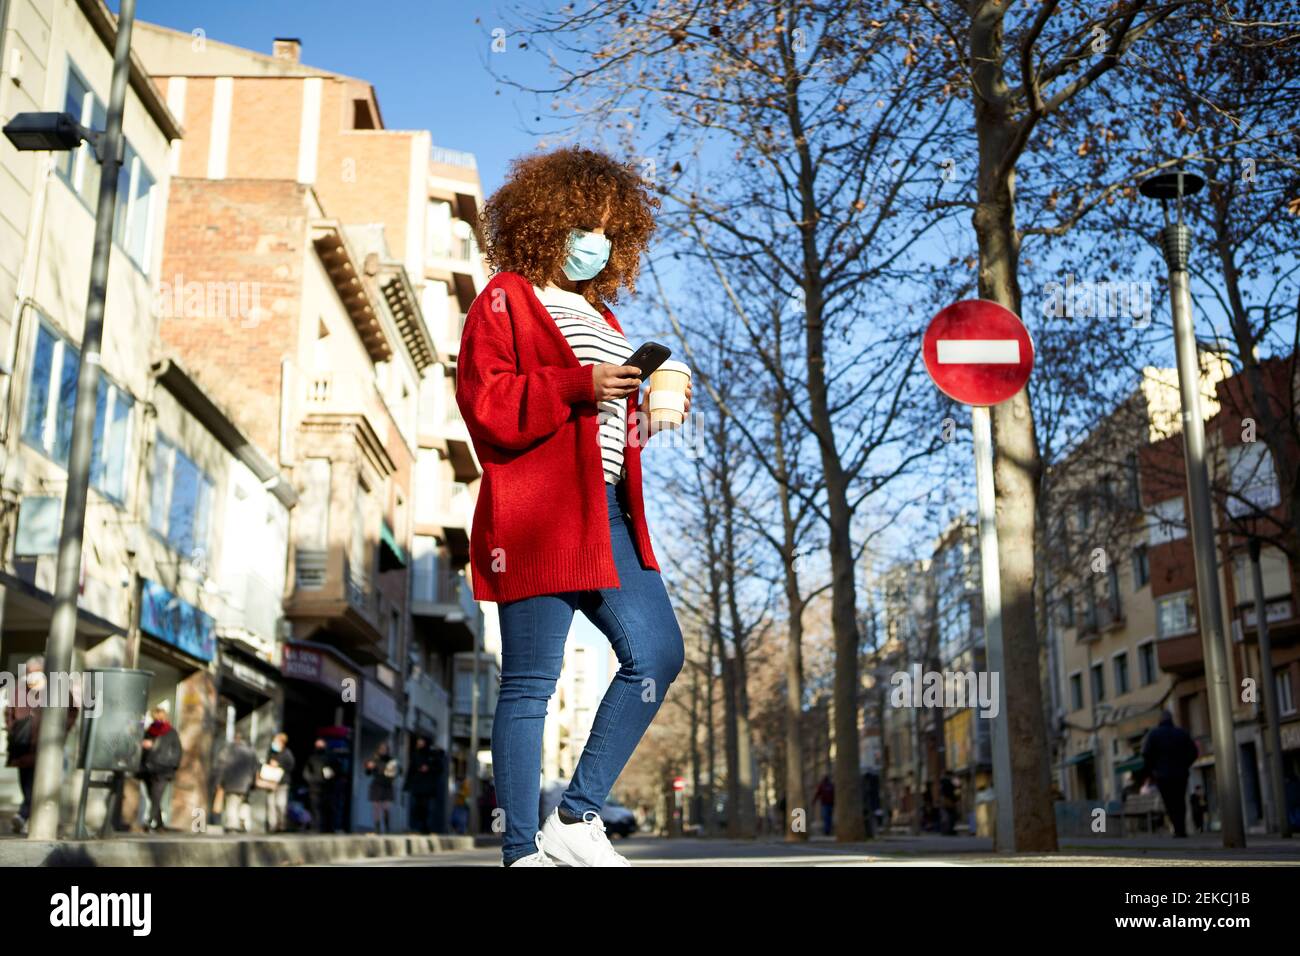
(580, 844)
(534, 859)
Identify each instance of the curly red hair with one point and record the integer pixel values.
(526, 222)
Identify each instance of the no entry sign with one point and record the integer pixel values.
(978, 352)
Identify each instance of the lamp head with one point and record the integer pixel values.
(44, 131)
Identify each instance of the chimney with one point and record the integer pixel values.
(287, 48)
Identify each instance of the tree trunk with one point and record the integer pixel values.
(1017, 467)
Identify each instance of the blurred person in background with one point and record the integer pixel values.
(1168, 754)
(277, 800)
(318, 773)
(236, 775)
(161, 757)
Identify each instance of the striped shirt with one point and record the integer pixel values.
(594, 340)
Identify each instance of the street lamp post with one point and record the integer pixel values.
(59, 131)
(1175, 241)
(1269, 689)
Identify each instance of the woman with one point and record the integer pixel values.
(382, 770)
(560, 525)
(159, 762)
(23, 732)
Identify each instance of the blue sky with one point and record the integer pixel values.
(426, 58)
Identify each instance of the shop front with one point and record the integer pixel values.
(178, 646)
(321, 687)
(380, 719)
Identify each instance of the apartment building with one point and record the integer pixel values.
(174, 480)
(454, 274)
(912, 739)
(1249, 501)
(357, 242)
(959, 619)
(1106, 687)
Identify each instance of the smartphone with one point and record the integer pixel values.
(649, 357)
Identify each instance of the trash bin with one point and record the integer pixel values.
(111, 740)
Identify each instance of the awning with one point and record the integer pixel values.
(1079, 758)
(391, 555)
(1132, 765)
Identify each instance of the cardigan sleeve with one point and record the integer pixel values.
(503, 406)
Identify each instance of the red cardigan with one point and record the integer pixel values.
(541, 525)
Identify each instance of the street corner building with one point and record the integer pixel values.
(282, 486)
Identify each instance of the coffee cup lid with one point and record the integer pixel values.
(672, 365)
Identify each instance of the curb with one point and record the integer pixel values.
(224, 851)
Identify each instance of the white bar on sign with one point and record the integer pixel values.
(979, 352)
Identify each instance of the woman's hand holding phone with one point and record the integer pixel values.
(614, 381)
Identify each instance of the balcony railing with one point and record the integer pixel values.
(361, 594)
(253, 605)
(310, 569)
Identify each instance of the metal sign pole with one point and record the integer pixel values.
(991, 579)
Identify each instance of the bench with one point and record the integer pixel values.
(1146, 807)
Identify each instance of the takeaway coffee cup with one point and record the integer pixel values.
(668, 395)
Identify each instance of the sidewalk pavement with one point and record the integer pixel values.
(256, 849)
(1129, 850)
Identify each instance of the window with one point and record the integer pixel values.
(1285, 698)
(51, 400)
(81, 170)
(1076, 691)
(131, 223)
(1141, 568)
(1098, 683)
(1147, 670)
(1134, 488)
(1175, 615)
(1121, 674)
(1252, 480)
(358, 555)
(437, 236)
(108, 457)
(1165, 522)
(181, 501)
(1085, 513)
(79, 167)
(1067, 609)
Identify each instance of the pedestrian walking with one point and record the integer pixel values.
(948, 805)
(382, 769)
(1197, 803)
(318, 773)
(549, 399)
(161, 756)
(825, 795)
(236, 775)
(460, 808)
(23, 731)
(421, 783)
(1168, 754)
(277, 771)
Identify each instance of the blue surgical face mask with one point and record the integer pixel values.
(588, 253)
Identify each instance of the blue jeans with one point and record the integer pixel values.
(639, 622)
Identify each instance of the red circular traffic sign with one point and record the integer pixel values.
(978, 352)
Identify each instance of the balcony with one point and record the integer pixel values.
(1181, 654)
(447, 330)
(449, 426)
(1279, 615)
(462, 697)
(1100, 615)
(328, 596)
(426, 696)
(445, 612)
(252, 611)
(326, 394)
